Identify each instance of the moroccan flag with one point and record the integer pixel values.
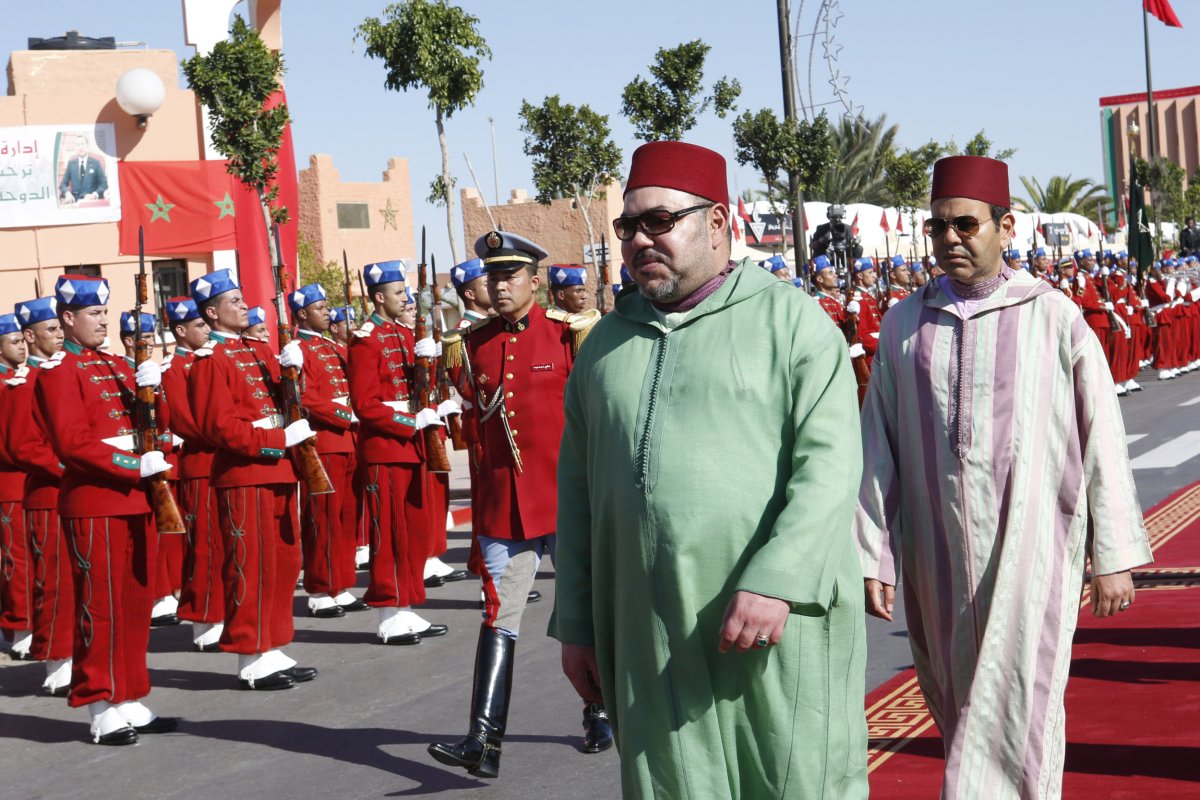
(854, 225)
(1162, 9)
(254, 259)
(883, 223)
(184, 207)
(899, 223)
(742, 211)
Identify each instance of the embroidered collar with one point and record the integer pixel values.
(34, 361)
(517, 326)
(73, 348)
(223, 336)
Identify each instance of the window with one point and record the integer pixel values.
(91, 270)
(170, 280)
(353, 215)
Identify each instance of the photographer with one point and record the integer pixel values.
(835, 236)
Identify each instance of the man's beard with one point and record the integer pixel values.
(662, 293)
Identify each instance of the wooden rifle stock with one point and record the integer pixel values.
(167, 518)
(454, 421)
(1102, 279)
(307, 461)
(862, 372)
(436, 459)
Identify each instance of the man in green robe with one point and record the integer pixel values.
(708, 585)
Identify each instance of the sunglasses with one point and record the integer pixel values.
(652, 223)
(966, 226)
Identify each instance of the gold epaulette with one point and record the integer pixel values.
(558, 315)
(581, 325)
(452, 349)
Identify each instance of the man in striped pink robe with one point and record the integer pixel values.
(995, 464)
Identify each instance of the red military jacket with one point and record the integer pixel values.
(517, 374)
(381, 361)
(232, 389)
(26, 442)
(87, 398)
(897, 294)
(325, 390)
(1088, 300)
(868, 319)
(12, 479)
(832, 305)
(1156, 293)
(198, 453)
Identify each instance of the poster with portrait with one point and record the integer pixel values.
(58, 175)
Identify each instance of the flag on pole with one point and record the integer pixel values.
(854, 225)
(742, 211)
(899, 224)
(736, 225)
(883, 223)
(1162, 9)
(1140, 245)
(184, 207)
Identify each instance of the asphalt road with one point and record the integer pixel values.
(360, 729)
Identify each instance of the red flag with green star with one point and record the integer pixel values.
(184, 207)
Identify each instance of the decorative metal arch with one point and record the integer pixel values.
(823, 39)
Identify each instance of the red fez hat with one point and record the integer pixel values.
(975, 177)
(679, 165)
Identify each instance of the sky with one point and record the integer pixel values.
(1029, 73)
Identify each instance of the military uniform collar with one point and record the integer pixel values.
(474, 316)
(72, 348)
(5, 369)
(221, 336)
(182, 350)
(305, 333)
(34, 361)
(129, 361)
(523, 322)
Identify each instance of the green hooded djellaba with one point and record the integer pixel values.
(707, 452)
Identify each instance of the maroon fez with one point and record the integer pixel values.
(679, 165)
(975, 177)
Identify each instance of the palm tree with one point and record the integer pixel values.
(857, 173)
(1082, 196)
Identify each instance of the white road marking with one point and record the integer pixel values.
(1134, 437)
(1171, 454)
(1192, 402)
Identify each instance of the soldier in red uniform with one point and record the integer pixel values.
(899, 280)
(25, 441)
(568, 287)
(16, 580)
(1129, 313)
(514, 370)
(471, 286)
(382, 354)
(329, 522)
(341, 323)
(232, 390)
(87, 401)
(202, 594)
(827, 295)
(863, 304)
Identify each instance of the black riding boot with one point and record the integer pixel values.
(479, 753)
(597, 732)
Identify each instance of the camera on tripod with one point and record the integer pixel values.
(835, 238)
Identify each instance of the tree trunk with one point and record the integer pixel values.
(448, 188)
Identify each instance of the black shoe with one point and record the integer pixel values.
(164, 621)
(61, 691)
(300, 674)
(119, 737)
(534, 596)
(357, 605)
(597, 732)
(457, 575)
(215, 647)
(274, 681)
(434, 581)
(402, 639)
(479, 752)
(20, 656)
(330, 612)
(434, 630)
(158, 725)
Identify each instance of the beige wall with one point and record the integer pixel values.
(78, 87)
(389, 235)
(557, 227)
(1176, 127)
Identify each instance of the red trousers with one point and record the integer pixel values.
(259, 527)
(360, 500)
(202, 597)
(112, 562)
(437, 489)
(169, 573)
(16, 586)
(330, 529)
(399, 535)
(53, 589)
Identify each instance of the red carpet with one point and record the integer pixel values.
(1133, 702)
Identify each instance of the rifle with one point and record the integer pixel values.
(145, 429)
(862, 372)
(312, 471)
(454, 423)
(1113, 325)
(601, 281)
(362, 297)
(1147, 314)
(423, 395)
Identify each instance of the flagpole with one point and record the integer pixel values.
(1151, 122)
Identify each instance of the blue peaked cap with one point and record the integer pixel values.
(625, 276)
(257, 316)
(81, 290)
(181, 309)
(466, 272)
(8, 324)
(305, 296)
(774, 263)
(382, 272)
(863, 264)
(127, 323)
(214, 283)
(342, 314)
(898, 261)
(1084, 253)
(561, 275)
(821, 262)
(1038, 253)
(32, 312)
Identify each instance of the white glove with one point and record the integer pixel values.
(1170, 287)
(1145, 303)
(297, 432)
(427, 417)
(426, 348)
(1064, 284)
(1133, 279)
(148, 374)
(852, 307)
(1104, 271)
(1108, 306)
(153, 462)
(1128, 310)
(1082, 281)
(857, 351)
(291, 356)
(447, 408)
(1182, 288)
(166, 362)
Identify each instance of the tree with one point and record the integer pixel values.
(233, 82)
(432, 45)
(979, 145)
(1061, 194)
(573, 154)
(329, 274)
(906, 178)
(862, 152)
(667, 107)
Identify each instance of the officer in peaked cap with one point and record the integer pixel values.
(568, 287)
(471, 286)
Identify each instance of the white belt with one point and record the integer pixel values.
(342, 401)
(123, 442)
(269, 422)
(397, 405)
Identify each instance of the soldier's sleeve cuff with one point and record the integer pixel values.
(270, 452)
(405, 419)
(342, 413)
(127, 461)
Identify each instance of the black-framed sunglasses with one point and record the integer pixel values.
(966, 225)
(652, 223)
